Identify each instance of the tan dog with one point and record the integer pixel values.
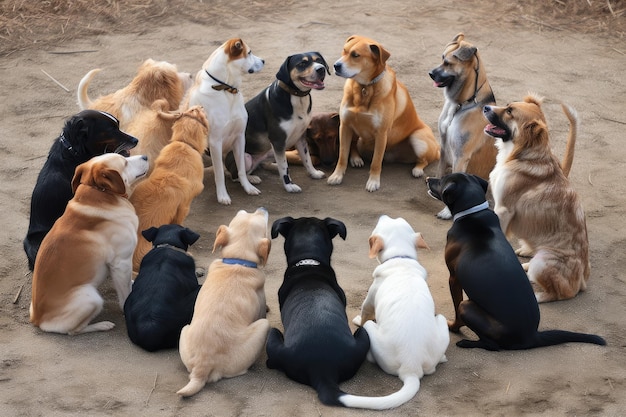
(166, 195)
(464, 145)
(154, 80)
(94, 238)
(377, 108)
(229, 328)
(536, 202)
(322, 138)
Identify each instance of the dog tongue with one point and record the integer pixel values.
(494, 130)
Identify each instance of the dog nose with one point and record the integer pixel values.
(337, 66)
(486, 109)
(321, 71)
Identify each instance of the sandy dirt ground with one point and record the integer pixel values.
(105, 374)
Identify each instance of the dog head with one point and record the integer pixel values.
(171, 234)
(192, 128)
(308, 238)
(394, 238)
(304, 71)
(245, 238)
(111, 173)
(240, 56)
(323, 137)
(458, 191)
(460, 62)
(362, 59)
(521, 122)
(160, 79)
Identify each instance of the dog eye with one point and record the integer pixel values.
(354, 55)
(509, 110)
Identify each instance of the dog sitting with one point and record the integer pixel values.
(229, 328)
(93, 239)
(154, 80)
(501, 307)
(318, 348)
(164, 293)
(406, 337)
(376, 107)
(84, 135)
(166, 195)
(464, 145)
(322, 139)
(535, 200)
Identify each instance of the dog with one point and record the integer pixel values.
(228, 329)
(165, 196)
(406, 337)
(318, 348)
(464, 145)
(279, 116)
(93, 239)
(164, 293)
(501, 307)
(376, 107)
(216, 88)
(86, 134)
(535, 200)
(322, 139)
(154, 80)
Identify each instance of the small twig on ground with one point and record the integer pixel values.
(156, 375)
(58, 83)
(17, 296)
(72, 52)
(530, 19)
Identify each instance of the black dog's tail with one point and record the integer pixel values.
(328, 392)
(556, 337)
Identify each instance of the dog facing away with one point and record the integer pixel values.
(216, 88)
(93, 239)
(229, 328)
(318, 348)
(376, 107)
(280, 114)
(407, 339)
(501, 307)
(164, 293)
(535, 200)
(464, 145)
(87, 134)
(165, 196)
(154, 80)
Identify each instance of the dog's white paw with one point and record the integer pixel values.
(373, 184)
(293, 188)
(357, 320)
(335, 179)
(254, 179)
(356, 162)
(251, 190)
(317, 174)
(444, 214)
(224, 199)
(417, 172)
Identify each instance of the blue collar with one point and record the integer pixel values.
(472, 210)
(237, 261)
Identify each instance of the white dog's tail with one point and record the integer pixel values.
(193, 387)
(409, 389)
(84, 102)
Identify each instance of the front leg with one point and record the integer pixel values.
(456, 291)
(240, 159)
(305, 156)
(346, 135)
(380, 145)
(218, 173)
(283, 171)
(505, 216)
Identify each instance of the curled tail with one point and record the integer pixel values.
(409, 389)
(556, 337)
(84, 102)
(568, 158)
(193, 387)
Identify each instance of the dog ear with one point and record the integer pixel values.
(235, 48)
(78, 176)
(221, 237)
(381, 53)
(189, 236)
(282, 226)
(109, 179)
(283, 71)
(376, 245)
(448, 193)
(335, 227)
(482, 182)
(535, 132)
(420, 242)
(323, 61)
(458, 38)
(465, 52)
(263, 250)
(150, 233)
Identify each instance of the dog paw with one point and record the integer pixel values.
(293, 188)
(444, 214)
(224, 199)
(357, 320)
(335, 179)
(254, 179)
(317, 174)
(417, 172)
(524, 252)
(252, 190)
(372, 185)
(356, 162)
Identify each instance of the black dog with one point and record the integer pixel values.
(165, 290)
(85, 135)
(318, 348)
(501, 307)
(280, 114)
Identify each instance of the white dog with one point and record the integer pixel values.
(217, 89)
(407, 339)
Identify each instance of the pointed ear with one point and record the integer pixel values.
(376, 245)
(420, 242)
(264, 250)
(109, 179)
(335, 227)
(150, 233)
(78, 176)
(282, 226)
(221, 238)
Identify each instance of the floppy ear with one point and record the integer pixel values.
(420, 242)
(376, 245)
(448, 194)
(108, 179)
(535, 132)
(335, 227)
(263, 251)
(221, 238)
(465, 52)
(381, 53)
(282, 226)
(322, 60)
(78, 176)
(236, 48)
(150, 233)
(189, 237)
(283, 71)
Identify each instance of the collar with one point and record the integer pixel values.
(293, 91)
(480, 207)
(67, 145)
(472, 99)
(222, 86)
(374, 81)
(307, 262)
(176, 248)
(399, 257)
(237, 261)
(104, 190)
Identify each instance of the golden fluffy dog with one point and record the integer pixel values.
(228, 330)
(535, 200)
(377, 108)
(154, 80)
(94, 238)
(166, 195)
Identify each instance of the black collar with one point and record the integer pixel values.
(293, 91)
(68, 146)
(222, 86)
(176, 248)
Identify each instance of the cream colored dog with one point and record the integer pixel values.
(94, 238)
(229, 329)
(406, 337)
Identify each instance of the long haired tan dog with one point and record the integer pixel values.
(93, 239)
(228, 330)
(166, 195)
(377, 108)
(535, 200)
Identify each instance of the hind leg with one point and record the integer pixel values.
(490, 331)
(426, 149)
(275, 348)
(380, 353)
(248, 349)
(545, 273)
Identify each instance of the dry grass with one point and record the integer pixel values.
(26, 24)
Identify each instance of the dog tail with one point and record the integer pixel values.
(557, 337)
(409, 389)
(568, 158)
(84, 102)
(193, 387)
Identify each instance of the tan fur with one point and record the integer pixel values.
(381, 114)
(94, 238)
(229, 329)
(166, 195)
(536, 202)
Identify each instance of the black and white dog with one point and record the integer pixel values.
(318, 347)
(85, 135)
(280, 114)
(164, 293)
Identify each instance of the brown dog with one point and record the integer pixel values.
(166, 195)
(322, 137)
(94, 238)
(464, 145)
(536, 202)
(228, 329)
(377, 108)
